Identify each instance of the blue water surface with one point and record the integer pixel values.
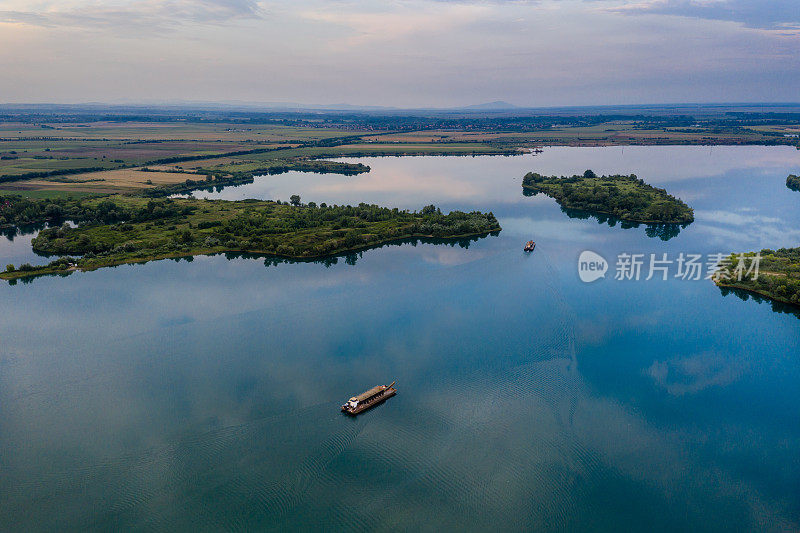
(203, 394)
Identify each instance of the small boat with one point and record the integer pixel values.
(529, 246)
(371, 398)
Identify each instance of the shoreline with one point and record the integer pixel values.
(760, 293)
(45, 270)
(594, 211)
(563, 189)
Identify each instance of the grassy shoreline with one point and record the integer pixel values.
(778, 277)
(759, 292)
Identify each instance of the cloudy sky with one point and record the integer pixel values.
(401, 52)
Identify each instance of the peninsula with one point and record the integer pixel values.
(625, 197)
(778, 274)
(125, 229)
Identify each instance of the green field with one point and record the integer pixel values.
(38, 150)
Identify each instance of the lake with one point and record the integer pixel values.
(204, 394)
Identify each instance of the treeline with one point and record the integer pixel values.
(778, 274)
(200, 157)
(213, 179)
(49, 173)
(17, 210)
(625, 197)
(319, 167)
(336, 228)
(793, 182)
(168, 226)
(121, 229)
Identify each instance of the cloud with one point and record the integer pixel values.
(128, 13)
(402, 20)
(763, 14)
(399, 53)
(762, 230)
(693, 374)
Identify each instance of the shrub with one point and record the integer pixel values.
(208, 224)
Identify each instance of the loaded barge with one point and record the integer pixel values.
(371, 398)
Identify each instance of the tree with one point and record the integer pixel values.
(295, 199)
(10, 268)
(589, 175)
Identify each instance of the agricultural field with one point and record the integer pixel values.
(261, 161)
(168, 131)
(58, 153)
(605, 134)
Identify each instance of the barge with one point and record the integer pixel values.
(371, 398)
(529, 246)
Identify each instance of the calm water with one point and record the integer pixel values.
(15, 247)
(203, 395)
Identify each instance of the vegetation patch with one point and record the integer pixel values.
(793, 182)
(124, 229)
(214, 179)
(625, 197)
(778, 274)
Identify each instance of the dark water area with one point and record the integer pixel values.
(204, 394)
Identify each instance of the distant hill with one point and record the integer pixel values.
(499, 104)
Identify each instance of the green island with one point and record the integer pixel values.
(122, 229)
(778, 274)
(625, 197)
(793, 182)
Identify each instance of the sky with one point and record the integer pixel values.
(404, 53)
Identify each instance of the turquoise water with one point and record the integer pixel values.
(204, 394)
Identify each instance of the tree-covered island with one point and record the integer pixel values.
(793, 182)
(126, 229)
(778, 274)
(625, 197)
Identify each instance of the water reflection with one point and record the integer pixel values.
(777, 307)
(10, 233)
(349, 258)
(203, 393)
(16, 247)
(664, 232)
(30, 279)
